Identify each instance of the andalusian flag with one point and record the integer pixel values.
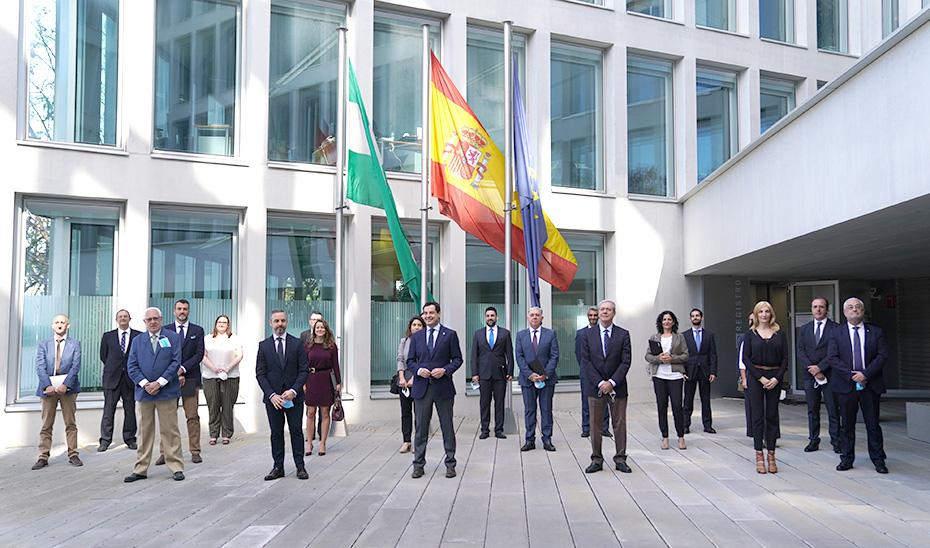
(468, 180)
(366, 183)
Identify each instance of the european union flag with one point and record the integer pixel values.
(534, 223)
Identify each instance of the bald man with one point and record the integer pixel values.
(58, 363)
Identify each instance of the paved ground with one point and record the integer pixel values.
(361, 494)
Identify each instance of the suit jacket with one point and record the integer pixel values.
(191, 356)
(704, 359)
(547, 350)
(447, 353)
(612, 366)
(812, 352)
(306, 335)
(114, 361)
(143, 364)
(70, 364)
(679, 353)
(839, 358)
(492, 363)
(275, 377)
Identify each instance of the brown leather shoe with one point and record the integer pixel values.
(40, 464)
(196, 459)
(75, 461)
(450, 471)
(160, 461)
(417, 472)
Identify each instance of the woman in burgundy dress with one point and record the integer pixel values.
(324, 360)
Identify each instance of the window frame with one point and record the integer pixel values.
(777, 87)
(842, 26)
(670, 171)
(790, 22)
(733, 132)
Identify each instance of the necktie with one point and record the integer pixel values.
(154, 342)
(857, 350)
(122, 343)
(697, 339)
(58, 355)
(431, 341)
(491, 337)
(281, 349)
(182, 335)
(535, 341)
(606, 341)
(817, 331)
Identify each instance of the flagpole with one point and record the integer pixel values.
(424, 169)
(510, 424)
(338, 321)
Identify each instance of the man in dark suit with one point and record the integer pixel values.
(492, 368)
(58, 364)
(114, 353)
(307, 334)
(857, 355)
(153, 365)
(192, 337)
(585, 416)
(606, 355)
(537, 347)
(282, 370)
(434, 356)
(813, 341)
(702, 362)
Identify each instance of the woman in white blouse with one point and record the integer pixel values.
(667, 369)
(221, 357)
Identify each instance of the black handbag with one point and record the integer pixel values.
(395, 388)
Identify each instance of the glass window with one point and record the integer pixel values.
(650, 147)
(398, 89)
(73, 60)
(717, 137)
(570, 309)
(302, 88)
(831, 25)
(194, 258)
(776, 20)
(391, 304)
(889, 17)
(777, 100)
(300, 270)
(716, 14)
(196, 75)
(68, 268)
(575, 110)
(485, 89)
(656, 8)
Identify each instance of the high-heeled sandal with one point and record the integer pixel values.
(773, 468)
(664, 443)
(681, 443)
(760, 462)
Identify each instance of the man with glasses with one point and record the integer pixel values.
(153, 365)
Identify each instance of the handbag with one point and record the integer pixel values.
(395, 388)
(338, 413)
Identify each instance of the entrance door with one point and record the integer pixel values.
(801, 295)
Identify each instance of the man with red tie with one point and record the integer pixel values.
(58, 363)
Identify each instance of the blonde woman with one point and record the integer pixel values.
(220, 371)
(765, 355)
(667, 369)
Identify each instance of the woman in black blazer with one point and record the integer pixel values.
(765, 355)
(667, 369)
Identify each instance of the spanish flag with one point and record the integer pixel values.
(467, 171)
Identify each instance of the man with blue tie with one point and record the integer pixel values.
(492, 369)
(58, 363)
(606, 354)
(537, 355)
(813, 341)
(114, 353)
(702, 364)
(434, 355)
(585, 415)
(153, 364)
(192, 349)
(857, 356)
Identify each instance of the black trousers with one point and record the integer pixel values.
(850, 404)
(701, 383)
(406, 417)
(763, 409)
(423, 409)
(294, 417)
(667, 390)
(814, 395)
(496, 389)
(110, 399)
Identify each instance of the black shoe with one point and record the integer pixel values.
(709, 430)
(687, 429)
(417, 472)
(548, 446)
(274, 474)
(104, 445)
(134, 477)
(528, 446)
(843, 466)
(881, 468)
(837, 450)
(483, 436)
(586, 434)
(132, 445)
(75, 461)
(302, 473)
(592, 468)
(500, 435)
(178, 476)
(812, 446)
(160, 461)
(450, 471)
(624, 467)
(608, 434)
(40, 464)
